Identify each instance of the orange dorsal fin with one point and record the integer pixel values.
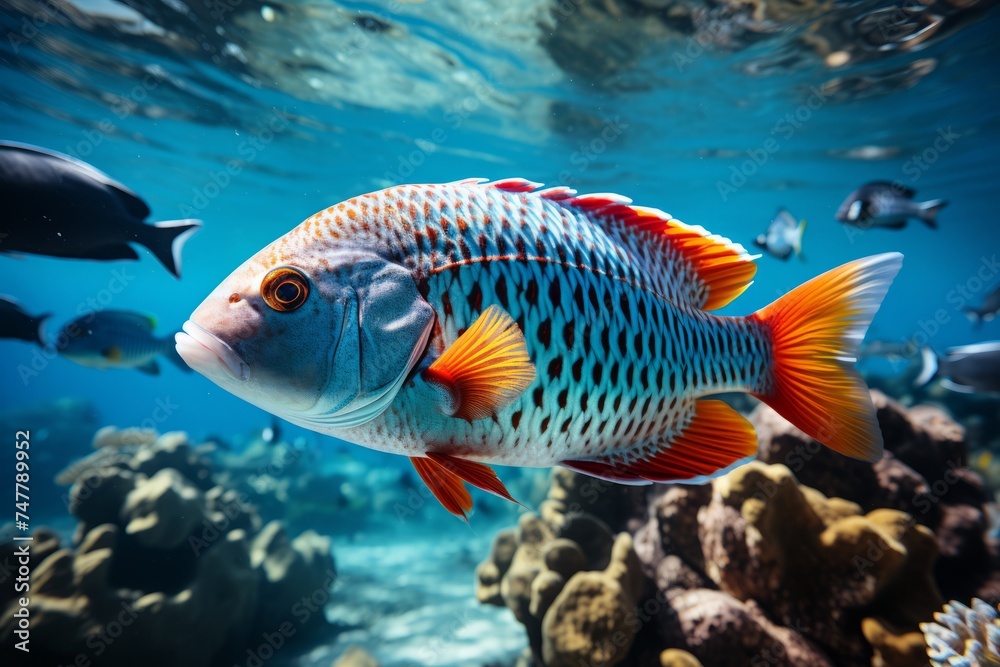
(446, 486)
(814, 333)
(717, 270)
(485, 369)
(444, 475)
(716, 439)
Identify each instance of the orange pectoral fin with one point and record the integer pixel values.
(444, 475)
(485, 369)
(715, 439)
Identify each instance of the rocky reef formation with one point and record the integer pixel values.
(802, 557)
(167, 567)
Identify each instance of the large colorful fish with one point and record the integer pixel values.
(475, 323)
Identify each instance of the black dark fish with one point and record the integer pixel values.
(968, 369)
(885, 204)
(16, 323)
(987, 311)
(116, 339)
(58, 206)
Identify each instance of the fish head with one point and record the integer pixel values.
(83, 339)
(322, 336)
(761, 241)
(850, 209)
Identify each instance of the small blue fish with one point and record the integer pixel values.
(116, 339)
(783, 237)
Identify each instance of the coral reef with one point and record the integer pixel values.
(802, 557)
(163, 550)
(964, 636)
(923, 473)
(567, 577)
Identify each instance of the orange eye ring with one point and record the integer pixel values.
(284, 289)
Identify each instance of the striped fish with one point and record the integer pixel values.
(476, 323)
(116, 339)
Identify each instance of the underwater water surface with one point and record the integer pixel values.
(252, 116)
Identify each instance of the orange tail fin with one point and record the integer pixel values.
(815, 331)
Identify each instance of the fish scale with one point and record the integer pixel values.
(465, 239)
(469, 324)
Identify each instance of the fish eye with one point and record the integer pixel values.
(284, 289)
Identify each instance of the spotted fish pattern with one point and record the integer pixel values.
(541, 327)
(611, 315)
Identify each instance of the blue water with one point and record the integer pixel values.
(253, 124)
(446, 99)
(172, 143)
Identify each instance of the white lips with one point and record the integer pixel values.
(205, 353)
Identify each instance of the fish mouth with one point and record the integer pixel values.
(205, 353)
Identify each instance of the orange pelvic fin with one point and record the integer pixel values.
(815, 331)
(716, 439)
(444, 475)
(485, 369)
(478, 475)
(446, 486)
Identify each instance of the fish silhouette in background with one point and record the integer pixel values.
(59, 206)
(783, 236)
(986, 311)
(968, 369)
(18, 324)
(889, 205)
(468, 324)
(116, 339)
